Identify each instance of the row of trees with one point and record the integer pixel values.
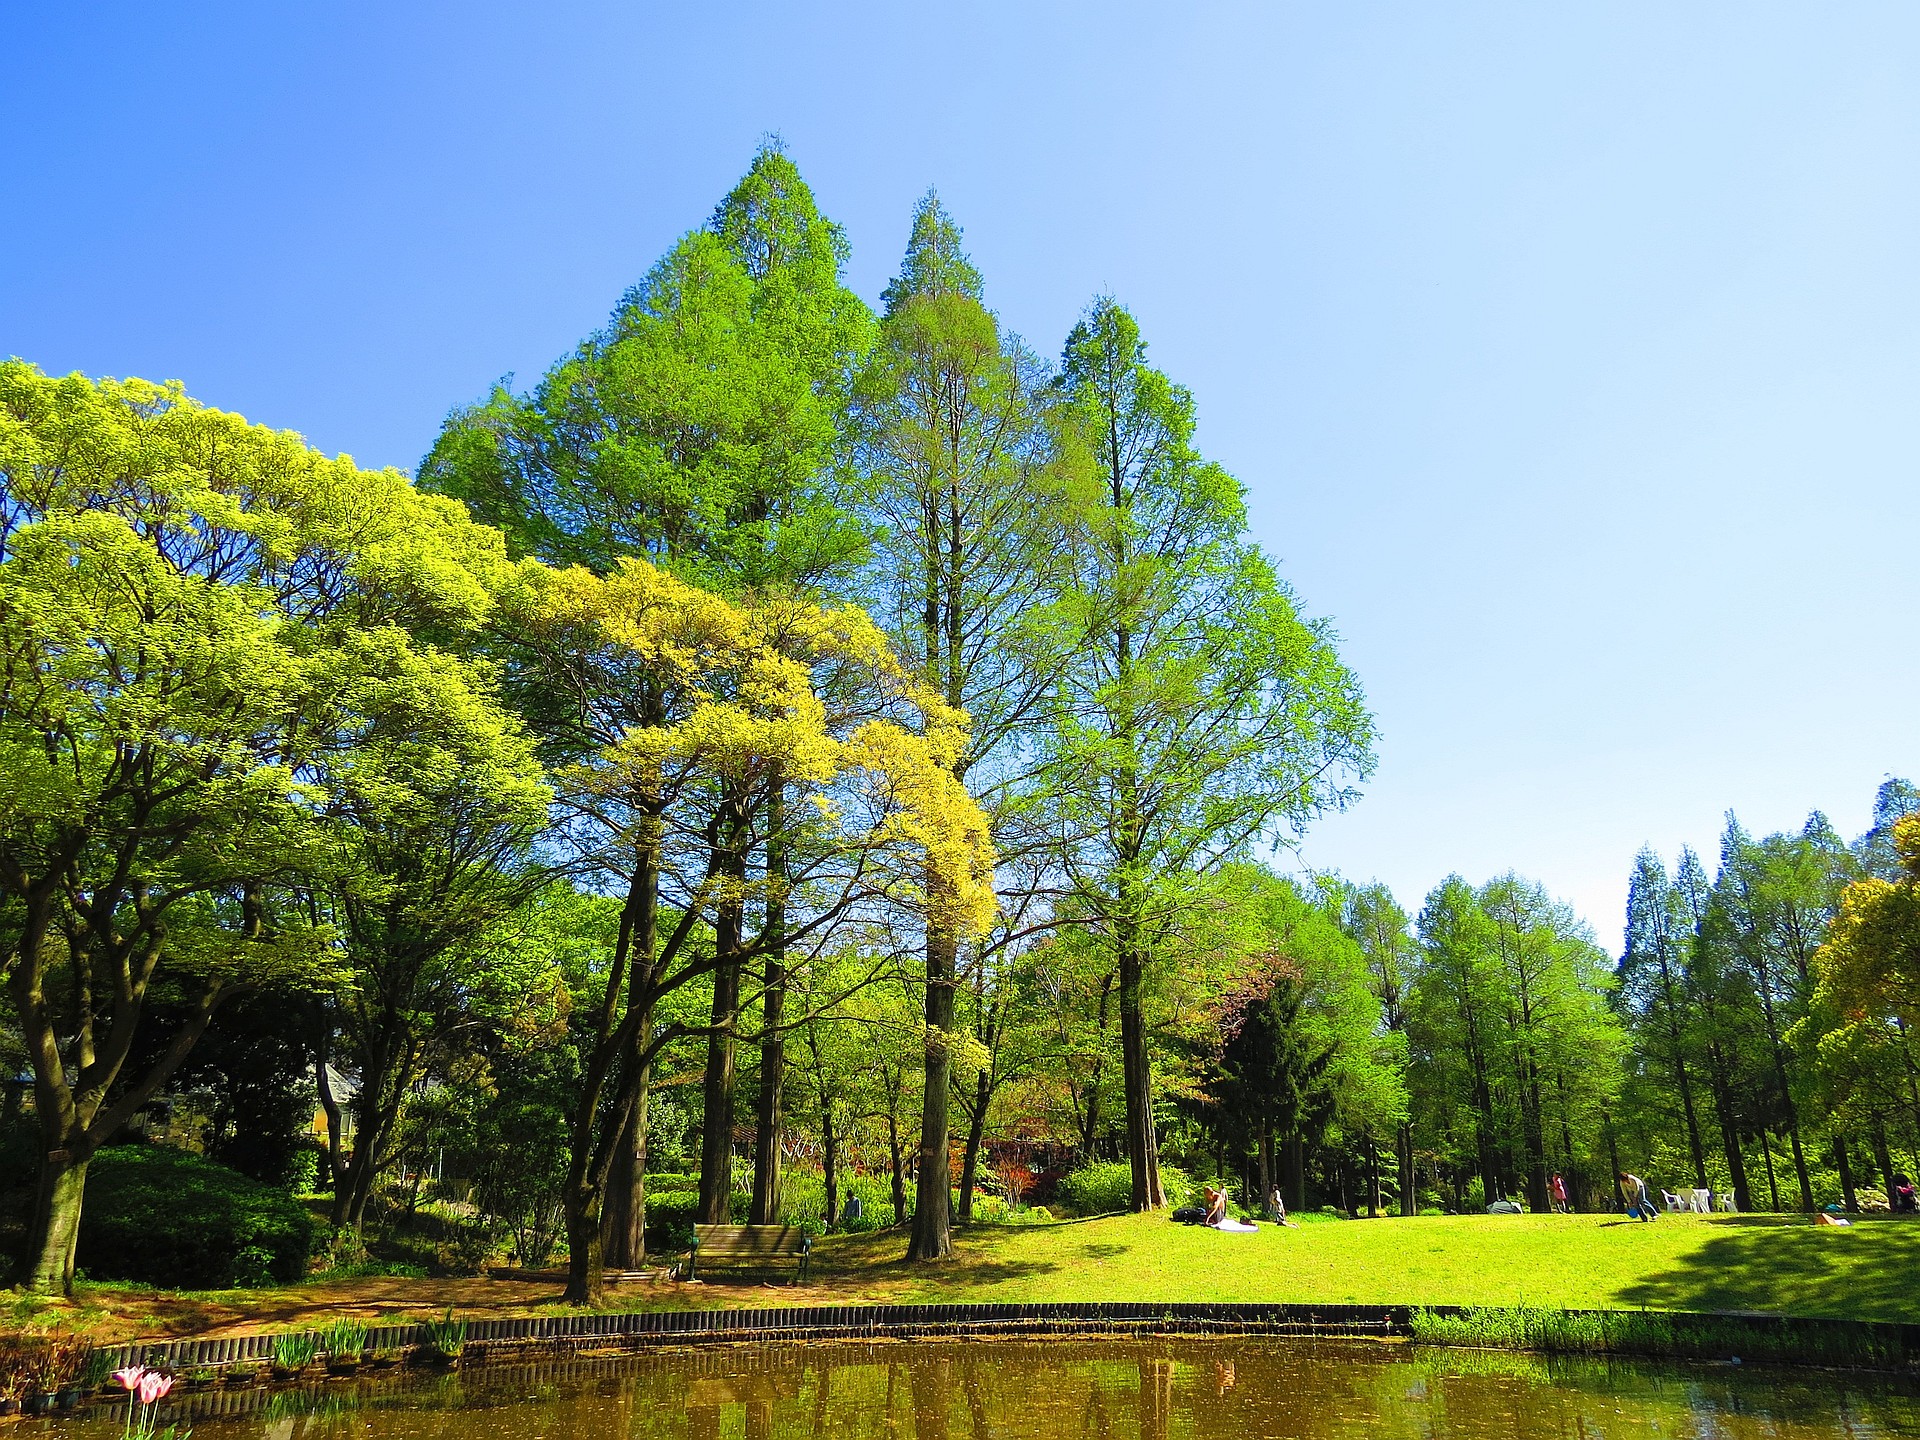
(785, 648)
(834, 736)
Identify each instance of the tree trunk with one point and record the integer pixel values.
(1409, 1179)
(1847, 1197)
(899, 1169)
(623, 1226)
(769, 1121)
(769, 1116)
(1373, 1179)
(1882, 1155)
(56, 1223)
(1773, 1185)
(1143, 1150)
(716, 1091)
(586, 1260)
(976, 1134)
(830, 1164)
(1293, 1172)
(1729, 1134)
(1613, 1159)
(717, 1087)
(1799, 1159)
(932, 1228)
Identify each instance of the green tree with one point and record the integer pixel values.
(704, 430)
(1198, 712)
(1373, 918)
(1653, 986)
(433, 811)
(955, 445)
(181, 594)
(1771, 903)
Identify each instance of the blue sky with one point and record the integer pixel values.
(1568, 353)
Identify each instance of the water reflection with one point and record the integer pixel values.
(1109, 1390)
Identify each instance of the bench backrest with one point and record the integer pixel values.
(750, 1239)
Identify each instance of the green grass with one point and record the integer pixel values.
(1764, 1263)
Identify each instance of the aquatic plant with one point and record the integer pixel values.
(1653, 1332)
(295, 1350)
(446, 1336)
(343, 1339)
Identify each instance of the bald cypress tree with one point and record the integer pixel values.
(955, 445)
(1199, 712)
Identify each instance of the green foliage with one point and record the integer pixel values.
(670, 1218)
(446, 1335)
(165, 1217)
(295, 1350)
(1098, 1189)
(343, 1338)
(803, 1201)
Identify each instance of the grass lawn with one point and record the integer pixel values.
(1870, 1272)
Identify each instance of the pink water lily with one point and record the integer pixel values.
(153, 1385)
(129, 1378)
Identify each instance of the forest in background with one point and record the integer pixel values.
(796, 751)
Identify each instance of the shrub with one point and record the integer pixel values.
(1097, 1189)
(803, 1201)
(467, 1247)
(165, 1217)
(670, 1219)
(1107, 1186)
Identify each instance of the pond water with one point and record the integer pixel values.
(1160, 1389)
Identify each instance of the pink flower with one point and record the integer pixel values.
(153, 1385)
(129, 1378)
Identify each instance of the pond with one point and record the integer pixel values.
(1159, 1389)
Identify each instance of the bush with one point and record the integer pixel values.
(803, 1201)
(1097, 1189)
(1107, 1186)
(467, 1247)
(168, 1218)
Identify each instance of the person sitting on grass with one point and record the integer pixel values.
(1831, 1216)
(1217, 1217)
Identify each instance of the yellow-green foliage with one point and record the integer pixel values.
(1869, 968)
(744, 691)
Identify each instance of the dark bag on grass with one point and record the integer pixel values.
(1188, 1215)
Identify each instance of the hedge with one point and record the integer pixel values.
(166, 1217)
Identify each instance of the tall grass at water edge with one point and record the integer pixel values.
(1649, 1332)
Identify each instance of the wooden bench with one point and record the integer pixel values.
(743, 1247)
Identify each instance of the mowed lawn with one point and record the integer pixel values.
(1766, 1263)
(1771, 1263)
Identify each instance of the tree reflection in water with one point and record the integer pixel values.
(1150, 1389)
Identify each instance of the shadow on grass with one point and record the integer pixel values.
(1870, 1271)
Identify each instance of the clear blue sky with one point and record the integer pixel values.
(1568, 353)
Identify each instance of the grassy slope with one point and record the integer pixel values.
(1871, 1271)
